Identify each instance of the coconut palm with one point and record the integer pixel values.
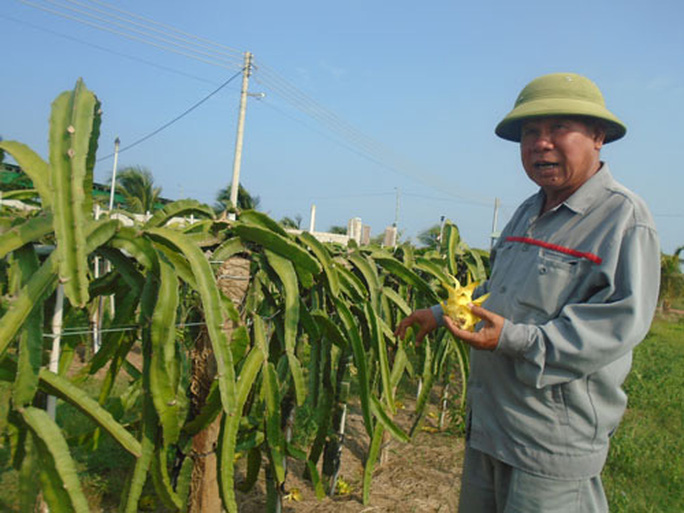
(293, 223)
(671, 278)
(136, 185)
(430, 237)
(245, 200)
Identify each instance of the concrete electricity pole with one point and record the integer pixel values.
(112, 188)
(396, 209)
(240, 132)
(495, 234)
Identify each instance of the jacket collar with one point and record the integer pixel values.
(586, 195)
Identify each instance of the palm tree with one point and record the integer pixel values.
(341, 230)
(430, 237)
(288, 222)
(671, 278)
(245, 200)
(136, 185)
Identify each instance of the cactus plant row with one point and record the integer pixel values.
(306, 316)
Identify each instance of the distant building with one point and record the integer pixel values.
(365, 235)
(390, 239)
(354, 229)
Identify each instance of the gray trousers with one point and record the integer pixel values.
(491, 486)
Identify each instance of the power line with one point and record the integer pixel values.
(313, 109)
(352, 196)
(364, 145)
(349, 146)
(108, 50)
(460, 200)
(180, 116)
(217, 58)
(168, 38)
(144, 30)
(149, 24)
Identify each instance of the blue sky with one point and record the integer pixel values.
(422, 83)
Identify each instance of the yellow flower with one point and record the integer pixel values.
(343, 488)
(456, 305)
(294, 495)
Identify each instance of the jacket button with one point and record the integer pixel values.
(542, 270)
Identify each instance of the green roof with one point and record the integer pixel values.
(10, 173)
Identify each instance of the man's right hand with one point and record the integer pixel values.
(423, 318)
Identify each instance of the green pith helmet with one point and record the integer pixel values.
(560, 94)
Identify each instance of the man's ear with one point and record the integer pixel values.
(599, 136)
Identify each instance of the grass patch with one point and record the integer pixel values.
(645, 468)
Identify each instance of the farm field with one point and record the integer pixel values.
(645, 471)
(203, 341)
(216, 361)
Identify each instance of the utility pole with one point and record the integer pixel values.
(312, 221)
(57, 318)
(396, 209)
(442, 221)
(240, 132)
(113, 186)
(494, 234)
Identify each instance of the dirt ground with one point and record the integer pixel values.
(422, 476)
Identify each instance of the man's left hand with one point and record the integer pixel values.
(487, 337)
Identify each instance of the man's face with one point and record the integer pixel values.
(560, 154)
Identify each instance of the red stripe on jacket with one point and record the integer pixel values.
(555, 247)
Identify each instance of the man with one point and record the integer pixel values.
(573, 288)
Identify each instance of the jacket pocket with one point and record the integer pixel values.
(560, 405)
(581, 414)
(550, 283)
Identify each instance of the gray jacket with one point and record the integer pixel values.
(578, 286)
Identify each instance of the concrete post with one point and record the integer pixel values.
(312, 222)
(237, 160)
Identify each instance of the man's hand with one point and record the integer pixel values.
(487, 337)
(423, 318)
